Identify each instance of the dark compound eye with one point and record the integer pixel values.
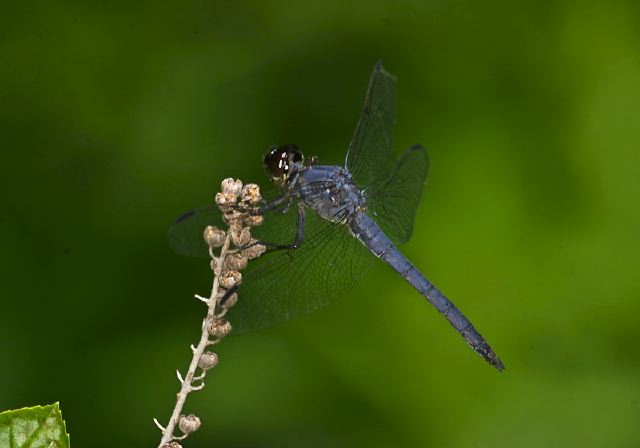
(293, 153)
(269, 156)
(275, 161)
(278, 159)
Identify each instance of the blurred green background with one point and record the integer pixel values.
(116, 117)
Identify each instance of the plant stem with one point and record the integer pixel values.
(186, 388)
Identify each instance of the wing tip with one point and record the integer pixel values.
(178, 235)
(184, 216)
(379, 68)
(417, 148)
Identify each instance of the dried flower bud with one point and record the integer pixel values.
(225, 199)
(231, 187)
(219, 328)
(240, 236)
(230, 279)
(214, 236)
(251, 194)
(173, 444)
(232, 216)
(229, 301)
(236, 261)
(188, 423)
(253, 220)
(208, 360)
(254, 250)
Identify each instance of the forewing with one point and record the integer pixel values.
(369, 153)
(186, 234)
(393, 201)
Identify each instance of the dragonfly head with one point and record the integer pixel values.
(280, 160)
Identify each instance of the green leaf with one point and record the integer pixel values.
(39, 426)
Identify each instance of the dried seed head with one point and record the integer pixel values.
(253, 220)
(240, 236)
(251, 194)
(208, 360)
(233, 216)
(254, 250)
(231, 187)
(230, 301)
(237, 261)
(214, 236)
(225, 199)
(219, 328)
(188, 423)
(173, 444)
(230, 279)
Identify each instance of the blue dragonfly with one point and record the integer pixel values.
(333, 222)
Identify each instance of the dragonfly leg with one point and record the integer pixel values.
(300, 226)
(273, 204)
(299, 238)
(286, 208)
(228, 294)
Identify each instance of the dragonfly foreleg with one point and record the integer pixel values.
(273, 204)
(299, 238)
(286, 208)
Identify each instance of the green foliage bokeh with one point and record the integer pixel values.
(116, 117)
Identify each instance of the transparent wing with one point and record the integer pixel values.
(369, 153)
(393, 191)
(393, 199)
(297, 282)
(186, 234)
(283, 284)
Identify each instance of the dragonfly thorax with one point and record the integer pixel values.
(330, 191)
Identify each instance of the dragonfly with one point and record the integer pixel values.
(332, 222)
